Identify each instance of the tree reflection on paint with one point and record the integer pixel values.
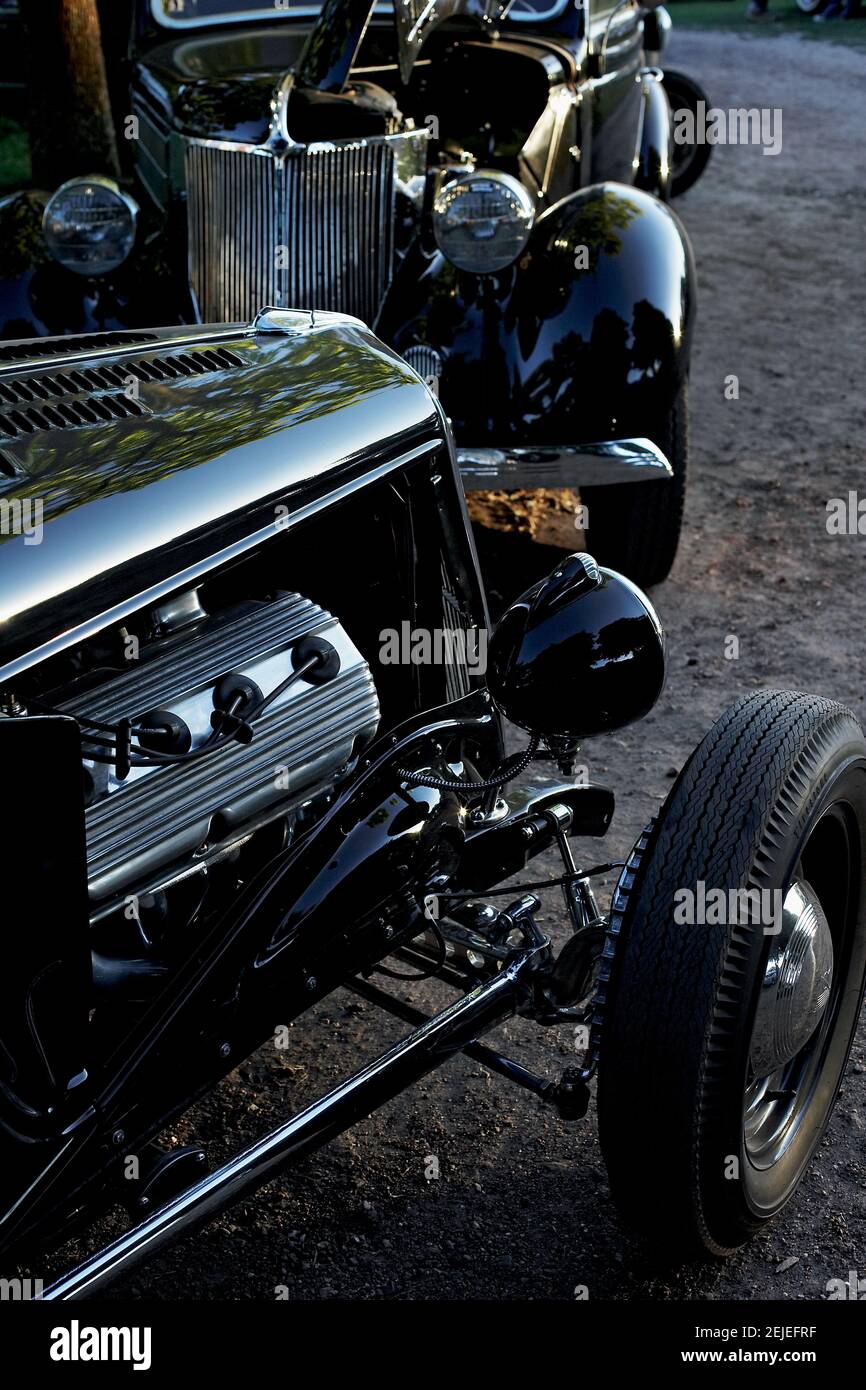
(197, 420)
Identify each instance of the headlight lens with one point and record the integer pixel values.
(482, 221)
(89, 225)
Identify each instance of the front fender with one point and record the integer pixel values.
(653, 173)
(586, 337)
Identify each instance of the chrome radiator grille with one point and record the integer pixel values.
(309, 229)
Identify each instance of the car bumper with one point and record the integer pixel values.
(580, 465)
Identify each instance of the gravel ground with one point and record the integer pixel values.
(521, 1207)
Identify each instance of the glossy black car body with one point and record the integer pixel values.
(220, 506)
(293, 159)
(251, 739)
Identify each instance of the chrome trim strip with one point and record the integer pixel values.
(563, 102)
(590, 465)
(278, 136)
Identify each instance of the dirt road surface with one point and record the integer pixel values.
(521, 1207)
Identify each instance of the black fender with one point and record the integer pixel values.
(39, 298)
(653, 173)
(586, 337)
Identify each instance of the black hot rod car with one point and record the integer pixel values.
(484, 183)
(224, 796)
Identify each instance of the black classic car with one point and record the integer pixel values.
(252, 736)
(485, 184)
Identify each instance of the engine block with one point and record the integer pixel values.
(159, 819)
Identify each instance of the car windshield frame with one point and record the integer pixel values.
(256, 13)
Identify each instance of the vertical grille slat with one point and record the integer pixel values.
(330, 207)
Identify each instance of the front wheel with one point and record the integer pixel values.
(634, 528)
(734, 972)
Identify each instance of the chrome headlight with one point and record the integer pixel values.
(89, 225)
(482, 220)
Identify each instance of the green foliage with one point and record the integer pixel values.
(783, 18)
(14, 155)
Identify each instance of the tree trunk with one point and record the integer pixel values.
(71, 127)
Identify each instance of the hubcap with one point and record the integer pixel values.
(796, 984)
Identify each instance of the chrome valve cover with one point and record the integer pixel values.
(158, 818)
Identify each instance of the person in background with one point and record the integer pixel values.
(839, 9)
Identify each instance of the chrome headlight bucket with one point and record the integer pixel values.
(482, 220)
(89, 225)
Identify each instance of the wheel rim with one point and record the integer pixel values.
(799, 997)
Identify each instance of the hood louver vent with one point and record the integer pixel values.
(52, 386)
(15, 424)
(57, 347)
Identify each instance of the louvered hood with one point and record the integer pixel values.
(36, 403)
(128, 470)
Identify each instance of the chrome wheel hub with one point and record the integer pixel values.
(796, 984)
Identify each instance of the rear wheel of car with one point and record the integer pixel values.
(635, 528)
(724, 1022)
(688, 161)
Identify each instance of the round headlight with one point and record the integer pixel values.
(89, 225)
(482, 221)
